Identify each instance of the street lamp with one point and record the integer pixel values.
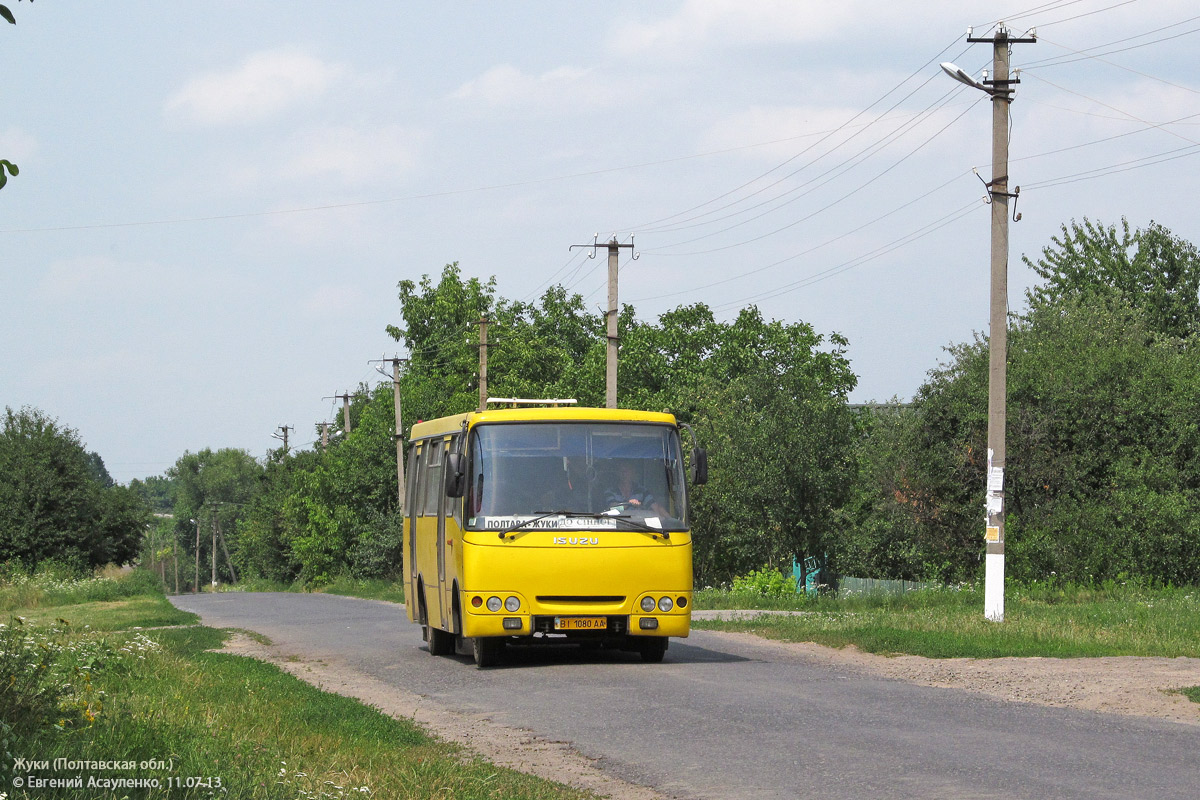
(1001, 92)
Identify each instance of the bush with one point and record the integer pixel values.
(768, 582)
(376, 549)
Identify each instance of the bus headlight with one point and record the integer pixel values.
(493, 604)
(511, 604)
(647, 604)
(665, 605)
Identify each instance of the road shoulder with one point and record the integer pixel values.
(1136, 686)
(499, 744)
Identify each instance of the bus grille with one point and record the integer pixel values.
(579, 598)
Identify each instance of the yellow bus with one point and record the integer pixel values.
(528, 525)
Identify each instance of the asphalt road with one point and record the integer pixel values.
(726, 717)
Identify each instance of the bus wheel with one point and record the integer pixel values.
(441, 643)
(653, 649)
(488, 651)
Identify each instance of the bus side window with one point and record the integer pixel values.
(453, 504)
(412, 484)
(433, 477)
(475, 484)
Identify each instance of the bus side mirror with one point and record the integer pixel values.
(456, 476)
(699, 466)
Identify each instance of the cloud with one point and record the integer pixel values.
(507, 86)
(16, 145)
(262, 86)
(352, 155)
(704, 24)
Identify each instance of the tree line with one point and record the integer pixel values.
(1103, 471)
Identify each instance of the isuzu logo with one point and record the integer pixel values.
(576, 540)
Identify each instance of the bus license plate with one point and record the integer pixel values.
(580, 623)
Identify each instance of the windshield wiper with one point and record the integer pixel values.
(639, 526)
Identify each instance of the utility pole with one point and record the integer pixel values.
(225, 550)
(345, 398)
(214, 549)
(283, 429)
(324, 436)
(483, 346)
(610, 365)
(196, 583)
(1001, 90)
(396, 362)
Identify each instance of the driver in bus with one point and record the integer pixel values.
(627, 493)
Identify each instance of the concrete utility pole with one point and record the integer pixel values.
(345, 398)
(1001, 90)
(324, 436)
(282, 435)
(196, 583)
(396, 362)
(225, 550)
(610, 365)
(483, 345)
(214, 550)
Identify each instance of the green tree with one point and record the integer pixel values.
(52, 504)
(1149, 269)
(1102, 474)
(771, 402)
(158, 491)
(212, 486)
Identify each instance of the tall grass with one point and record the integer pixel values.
(53, 585)
(162, 701)
(1040, 620)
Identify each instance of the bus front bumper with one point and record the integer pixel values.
(678, 625)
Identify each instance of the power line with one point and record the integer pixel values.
(646, 226)
(1082, 55)
(836, 202)
(1112, 169)
(841, 168)
(1029, 12)
(1114, 108)
(857, 261)
(743, 275)
(1086, 14)
(401, 199)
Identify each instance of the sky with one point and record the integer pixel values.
(217, 200)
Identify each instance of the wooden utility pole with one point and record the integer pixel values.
(610, 366)
(225, 550)
(1001, 90)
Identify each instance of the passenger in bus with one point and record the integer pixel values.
(629, 495)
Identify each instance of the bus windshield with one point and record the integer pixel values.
(576, 475)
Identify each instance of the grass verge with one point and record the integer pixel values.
(366, 588)
(205, 724)
(1062, 622)
(370, 589)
